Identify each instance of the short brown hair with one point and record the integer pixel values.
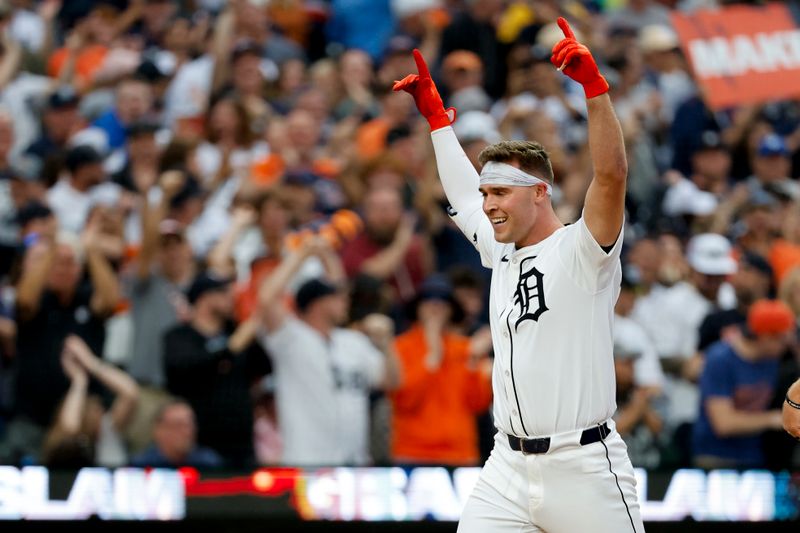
(529, 155)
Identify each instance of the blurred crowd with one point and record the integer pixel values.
(224, 242)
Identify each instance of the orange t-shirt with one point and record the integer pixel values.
(433, 413)
(88, 62)
(783, 257)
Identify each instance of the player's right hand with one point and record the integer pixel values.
(426, 96)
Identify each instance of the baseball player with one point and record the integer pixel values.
(558, 465)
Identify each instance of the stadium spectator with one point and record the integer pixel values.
(388, 247)
(134, 103)
(84, 433)
(672, 318)
(213, 363)
(60, 119)
(52, 296)
(751, 282)
(638, 418)
(277, 115)
(164, 270)
(175, 441)
(736, 385)
(446, 383)
(323, 373)
(72, 197)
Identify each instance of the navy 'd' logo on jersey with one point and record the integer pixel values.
(529, 295)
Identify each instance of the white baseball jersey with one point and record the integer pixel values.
(551, 312)
(322, 392)
(551, 309)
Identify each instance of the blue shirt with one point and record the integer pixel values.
(110, 123)
(199, 457)
(750, 385)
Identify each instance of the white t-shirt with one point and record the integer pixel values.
(188, 93)
(672, 317)
(552, 314)
(322, 392)
(647, 368)
(71, 206)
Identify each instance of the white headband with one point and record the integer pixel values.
(494, 173)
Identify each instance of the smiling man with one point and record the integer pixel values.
(558, 464)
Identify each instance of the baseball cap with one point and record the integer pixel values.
(476, 125)
(658, 38)
(685, 198)
(772, 144)
(438, 287)
(770, 317)
(63, 97)
(710, 254)
(81, 155)
(31, 211)
(205, 283)
(312, 290)
(709, 140)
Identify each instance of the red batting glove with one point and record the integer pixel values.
(576, 61)
(426, 96)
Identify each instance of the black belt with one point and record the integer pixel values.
(537, 446)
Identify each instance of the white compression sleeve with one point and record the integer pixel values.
(459, 178)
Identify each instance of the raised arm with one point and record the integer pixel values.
(459, 178)
(124, 387)
(171, 182)
(36, 267)
(106, 289)
(604, 209)
(271, 293)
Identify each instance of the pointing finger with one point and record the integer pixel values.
(564, 25)
(422, 67)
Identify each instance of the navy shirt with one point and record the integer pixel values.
(199, 457)
(750, 384)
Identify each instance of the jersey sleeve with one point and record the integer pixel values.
(589, 265)
(460, 181)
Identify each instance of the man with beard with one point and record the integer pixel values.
(751, 282)
(388, 249)
(212, 364)
(323, 373)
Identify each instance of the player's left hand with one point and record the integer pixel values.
(575, 60)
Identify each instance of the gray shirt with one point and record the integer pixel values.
(154, 309)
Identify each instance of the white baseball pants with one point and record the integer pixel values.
(569, 489)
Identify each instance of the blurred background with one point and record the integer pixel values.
(225, 253)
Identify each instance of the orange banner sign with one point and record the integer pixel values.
(742, 54)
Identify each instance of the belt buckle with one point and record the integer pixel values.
(540, 446)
